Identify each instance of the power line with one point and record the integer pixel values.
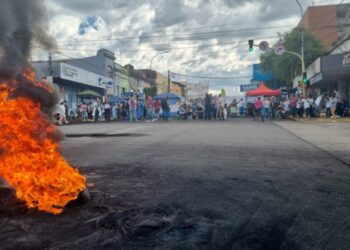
(211, 77)
(68, 48)
(181, 35)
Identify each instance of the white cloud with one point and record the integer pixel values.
(179, 23)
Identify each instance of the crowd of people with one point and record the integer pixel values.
(208, 108)
(299, 106)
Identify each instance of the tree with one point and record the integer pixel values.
(152, 91)
(223, 92)
(286, 67)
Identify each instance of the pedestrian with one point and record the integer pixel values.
(306, 107)
(157, 106)
(132, 108)
(286, 107)
(266, 108)
(97, 110)
(207, 106)
(241, 108)
(114, 111)
(220, 105)
(62, 113)
(258, 106)
(225, 111)
(149, 107)
(293, 105)
(165, 108)
(273, 107)
(311, 106)
(333, 102)
(214, 106)
(300, 108)
(328, 107)
(107, 109)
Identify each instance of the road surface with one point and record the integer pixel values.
(237, 184)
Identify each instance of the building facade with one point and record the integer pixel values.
(99, 73)
(328, 23)
(154, 78)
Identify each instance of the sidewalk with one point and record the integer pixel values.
(321, 120)
(330, 135)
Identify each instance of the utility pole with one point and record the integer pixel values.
(169, 59)
(50, 64)
(302, 42)
(169, 81)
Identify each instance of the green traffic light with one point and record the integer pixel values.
(250, 49)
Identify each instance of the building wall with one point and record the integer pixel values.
(177, 88)
(343, 20)
(121, 79)
(162, 83)
(321, 21)
(328, 23)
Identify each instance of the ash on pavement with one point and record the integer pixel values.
(230, 185)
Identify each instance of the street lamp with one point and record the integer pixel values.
(302, 40)
(150, 65)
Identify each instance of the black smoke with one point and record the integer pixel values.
(24, 24)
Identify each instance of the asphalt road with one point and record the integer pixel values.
(238, 184)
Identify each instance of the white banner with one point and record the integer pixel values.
(197, 90)
(76, 74)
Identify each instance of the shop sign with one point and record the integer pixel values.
(83, 76)
(346, 60)
(248, 87)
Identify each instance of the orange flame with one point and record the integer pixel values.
(29, 158)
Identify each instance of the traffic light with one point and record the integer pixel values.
(305, 80)
(251, 43)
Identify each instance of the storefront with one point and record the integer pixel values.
(330, 73)
(71, 80)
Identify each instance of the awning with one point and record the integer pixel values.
(263, 90)
(89, 94)
(169, 95)
(116, 99)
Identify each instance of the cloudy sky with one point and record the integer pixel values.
(205, 37)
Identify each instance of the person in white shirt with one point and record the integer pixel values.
(333, 102)
(266, 107)
(328, 108)
(286, 107)
(62, 113)
(306, 106)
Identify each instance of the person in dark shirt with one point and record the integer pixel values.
(165, 108)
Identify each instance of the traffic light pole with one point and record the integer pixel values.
(302, 65)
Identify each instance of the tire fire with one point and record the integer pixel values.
(29, 153)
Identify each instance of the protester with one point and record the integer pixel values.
(306, 106)
(293, 105)
(328, 107)
(207, 106)
(214, 107)
(157, 106)
(311, 106)
(165, 108)
(286, 107)
(149, 107)
(220, 105)
(241, 107)
(114, 111)
(97, 109)
(266, 108)
(273, 107)
(132, 108)
(62, 113)
(107, 109)
(258, 107)
(333, 103)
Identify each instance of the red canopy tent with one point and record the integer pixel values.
(263, 90)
